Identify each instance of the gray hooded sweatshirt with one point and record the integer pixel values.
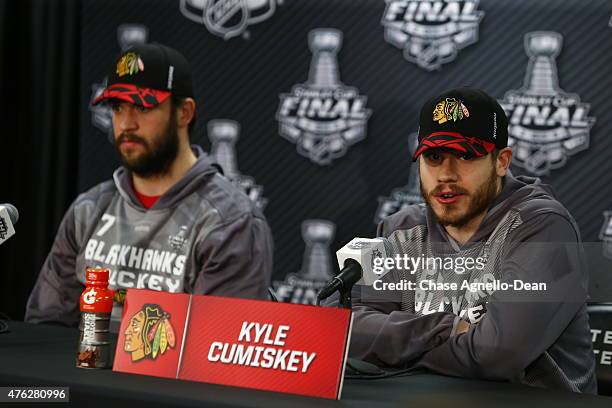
(203, 236)
(540, 338)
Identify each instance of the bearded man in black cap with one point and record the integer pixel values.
(498, 288)
(168, 220)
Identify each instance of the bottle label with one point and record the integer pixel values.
(89, 328)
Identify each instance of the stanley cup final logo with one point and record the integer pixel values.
(431, 33)
(323, 117)
(317, 268)
(223, 135)
(546, 124)
(127, 36)
(228, 18)
(401, 198)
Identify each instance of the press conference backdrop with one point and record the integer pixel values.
(311, 106)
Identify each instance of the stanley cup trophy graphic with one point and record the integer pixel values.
(324, 45)
(546, 124)
(323, 117)
(317, 262)
(223, 135)
(317, 267)
(131, 34)
(542, 49)
(406, 196)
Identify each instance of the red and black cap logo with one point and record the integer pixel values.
(147, 74)
(464, 119)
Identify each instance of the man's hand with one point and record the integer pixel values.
(462, 327)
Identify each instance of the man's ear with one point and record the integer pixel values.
(185, 112)
(504, 158)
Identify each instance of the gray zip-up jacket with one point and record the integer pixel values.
(203, 236)
(540, 338)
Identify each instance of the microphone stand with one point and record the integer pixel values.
(346, 300)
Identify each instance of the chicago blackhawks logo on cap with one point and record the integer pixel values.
(149, 333)
(129, 64)
(450, 109)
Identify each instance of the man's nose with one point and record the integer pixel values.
(447, 171)
(127, 120)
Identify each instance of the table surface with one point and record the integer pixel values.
(44, 355)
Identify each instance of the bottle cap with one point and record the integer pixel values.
(97, 275)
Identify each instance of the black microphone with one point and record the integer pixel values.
(348, 276)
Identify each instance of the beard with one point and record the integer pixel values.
(477, 203)
(159, 153)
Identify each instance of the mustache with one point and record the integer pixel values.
(452, 189)
(130, 137)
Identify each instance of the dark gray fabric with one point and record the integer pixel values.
(202, 236)
(535, 338)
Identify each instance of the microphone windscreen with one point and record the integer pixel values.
(12, 212)
(366, 251)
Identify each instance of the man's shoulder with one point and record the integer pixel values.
(227, 199)
(544, 218)
(541, 207)
(97, 193)
(410, 217)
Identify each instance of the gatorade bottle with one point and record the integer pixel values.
(96, 307)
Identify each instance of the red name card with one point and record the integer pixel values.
(268, 346)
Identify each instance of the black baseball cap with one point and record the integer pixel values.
(464, 119)
(147, 74)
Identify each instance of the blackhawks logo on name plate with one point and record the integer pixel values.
(149, 334)
(431, 33)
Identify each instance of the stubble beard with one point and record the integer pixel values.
(479, 202)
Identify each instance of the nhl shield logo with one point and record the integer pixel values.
(431, 33)
(402, 198)
(546, 125)
(228, 18)
(606, 234)
(323, 117)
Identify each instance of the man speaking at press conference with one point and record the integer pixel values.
(168, 220)
(514, 307)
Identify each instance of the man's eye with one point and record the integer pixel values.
(115, 107)
(467, 156)
(142, 109)
(432, 156)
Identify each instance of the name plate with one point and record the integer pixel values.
(269, 346)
